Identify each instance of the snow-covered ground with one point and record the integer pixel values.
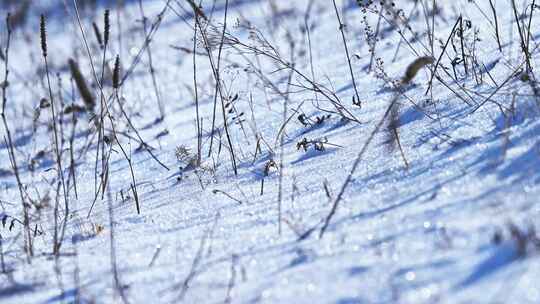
(454, 223)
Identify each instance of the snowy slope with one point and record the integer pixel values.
(423, 234)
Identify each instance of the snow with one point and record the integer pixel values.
(422, 234)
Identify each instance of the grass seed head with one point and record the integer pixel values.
(116, 73)
(107, 27)
(85, 93)
(43, 34)
(98, 34)
(414, 67)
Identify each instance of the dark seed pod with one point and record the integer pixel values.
(414, 67)
(44, 103)
(116, 73)
(86, 96)
(8, 22)
(98, 34)
(107, 27)
(43, 32)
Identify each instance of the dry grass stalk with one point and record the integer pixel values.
(58, 239)
(27, 235)
(197, 10)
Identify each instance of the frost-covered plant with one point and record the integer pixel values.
(185, 158)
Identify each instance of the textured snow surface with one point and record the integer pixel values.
(417, 235)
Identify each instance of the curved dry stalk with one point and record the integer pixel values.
(410, 73)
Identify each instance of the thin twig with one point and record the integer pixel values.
(342, 30)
